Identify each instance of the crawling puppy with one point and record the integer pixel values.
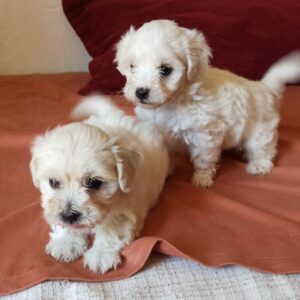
(170, 81)
(99, 177)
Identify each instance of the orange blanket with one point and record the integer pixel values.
(245, 220)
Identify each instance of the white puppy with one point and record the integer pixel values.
(171, 83)
(98, 177)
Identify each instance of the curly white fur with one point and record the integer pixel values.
(130, 159)
(206, 108)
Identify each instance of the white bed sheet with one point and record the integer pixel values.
(174, 278)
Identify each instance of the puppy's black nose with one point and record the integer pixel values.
(142, 93)
(70, 216)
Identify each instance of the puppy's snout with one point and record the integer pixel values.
(70, 216)
(142, 93)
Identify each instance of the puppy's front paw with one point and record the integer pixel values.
(202, 178)
(66, 250)
(100, 261)
(259, 167)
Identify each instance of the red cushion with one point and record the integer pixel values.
(246, 36)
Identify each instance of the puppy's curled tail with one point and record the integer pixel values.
(96, 105)
(286, 70)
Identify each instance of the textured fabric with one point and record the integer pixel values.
(169, 278)
(36, 37)
(242, 219)
(246, 36)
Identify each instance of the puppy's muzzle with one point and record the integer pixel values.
(70, 216)
(142, 94)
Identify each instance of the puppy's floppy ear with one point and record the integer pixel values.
(33, 169)
(197, 52)
(34, 163)
(127, 162)
(121, 50)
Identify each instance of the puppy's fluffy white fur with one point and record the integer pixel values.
(205, 108)
(109, 170)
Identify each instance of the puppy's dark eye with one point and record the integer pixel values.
(54, 183)
(131, 67)
(93, 184)
(165, 70)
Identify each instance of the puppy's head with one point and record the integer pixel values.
(159, 60)
(80, 173)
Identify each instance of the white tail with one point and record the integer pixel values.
(286, 70)
(96, 105)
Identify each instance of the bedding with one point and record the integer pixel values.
(246, 36)
(244, 220)
(169, 278)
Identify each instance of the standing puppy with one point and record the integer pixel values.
(170, 81)
(99, 177)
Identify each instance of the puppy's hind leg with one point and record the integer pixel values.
(261, 149)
